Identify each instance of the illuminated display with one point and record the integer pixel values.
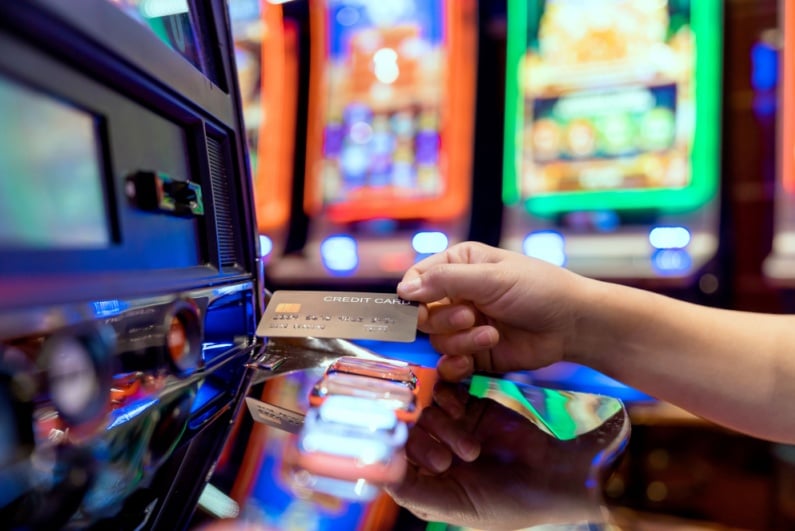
(388, 145)
(51, 192)
(171, 21)
(612, 104)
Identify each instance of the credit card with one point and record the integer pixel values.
(339, 314)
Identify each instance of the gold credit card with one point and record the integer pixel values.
(339, 314)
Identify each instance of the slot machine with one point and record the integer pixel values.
(267, 42)
(390, 127)
(612, 136)
(130, 278)
(778, 265)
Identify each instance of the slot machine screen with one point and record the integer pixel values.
(51, 193)
(612, 104)
(174, 23)
(389, 109)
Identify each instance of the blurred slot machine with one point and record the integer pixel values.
(778, 266)
(391, 117)
(265, 41)
(129, 279)
(612, 136)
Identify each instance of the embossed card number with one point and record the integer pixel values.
(344, 315)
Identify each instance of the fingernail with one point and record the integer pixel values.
(469, 450)
(459, 363)
(439, 460)
(450, 403)
(461, 319)
(410, 286)
(484, 338)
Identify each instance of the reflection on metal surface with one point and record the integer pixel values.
(99, 405)
(296, 354)
(543, 453)
(215, 502)
(396, 371)
(542, 457)
(562, 414)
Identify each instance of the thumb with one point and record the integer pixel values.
(480, 284)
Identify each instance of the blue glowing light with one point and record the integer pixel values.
(339, 254)
(764, 66)
(244, 10)
(671, 261)
(379, 226)
(669, 237)
(109, 308)
(130, 412)
(606, 220)
(546, 245)
(355, 160)
(207, 346)
(430, 242)
(265, 245)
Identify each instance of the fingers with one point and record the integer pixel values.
(442, 431)
(460, 253)
(452, 399)
(446, 318)
(436, 437)
(426, 452)
(466, 342)
(462, 271)
(427, 496)
(480, 283)
(454, 334)
(455, 368)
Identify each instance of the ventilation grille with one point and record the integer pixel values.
(222, 200)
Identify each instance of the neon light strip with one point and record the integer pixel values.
(788, 96)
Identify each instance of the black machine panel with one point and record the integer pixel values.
(133, 175)
(130, 286)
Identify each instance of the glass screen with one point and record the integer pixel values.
(385, 78)
(51, 192)
(171, 21)
(615, 100)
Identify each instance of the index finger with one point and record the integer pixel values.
(460, 253)
(479, 283)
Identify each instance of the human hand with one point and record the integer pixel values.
(493, 310)
(477, 463)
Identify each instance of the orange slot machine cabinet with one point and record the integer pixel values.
(612, 136)
(389, 141)
(267, 41)
(778, 266)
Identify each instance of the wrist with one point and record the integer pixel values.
(593, 325)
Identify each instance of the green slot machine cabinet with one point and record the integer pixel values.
(612, 135)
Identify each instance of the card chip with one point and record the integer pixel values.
(288, 307)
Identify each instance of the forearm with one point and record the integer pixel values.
(734, 368)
